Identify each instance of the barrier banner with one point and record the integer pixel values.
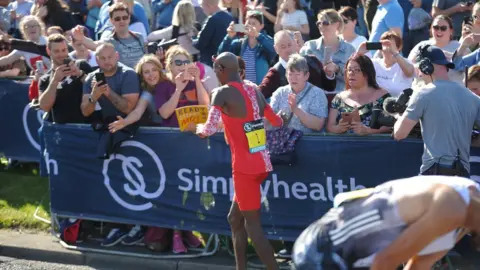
(172, 179)
(19, 123)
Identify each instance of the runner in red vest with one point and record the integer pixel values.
(242, 108)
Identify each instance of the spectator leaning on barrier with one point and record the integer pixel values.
(442, 37)
(178, 91)
(303, 105)
(130, 45)
(32, 29)
(17, 68)
(151, 74)
(60, 89)
(389, 17)
(119, 95)
(447, 112)
(394, 73)
(362, 94)
(285, 45)
(330, 49)
(213, 30)
(256, 49)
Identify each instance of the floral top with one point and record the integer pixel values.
(365, 110)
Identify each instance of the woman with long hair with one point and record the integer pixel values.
(361, 95)
(183, 87)
(150, 71)
(182, 28)
(54, 12)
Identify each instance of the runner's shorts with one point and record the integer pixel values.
(247, 190)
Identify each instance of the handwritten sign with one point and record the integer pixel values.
(196, 114)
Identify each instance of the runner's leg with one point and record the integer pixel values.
(262, 246)
(239, 236)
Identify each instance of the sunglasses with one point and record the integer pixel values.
(442, 28)
(324, 23)
(180, 63)
(120, 18)
(475, 17)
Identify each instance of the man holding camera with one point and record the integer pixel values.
(447, 112)
(61, 87)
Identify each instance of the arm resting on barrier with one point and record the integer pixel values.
(9, 59)
(47, 98)
(446, 212)
(132, 117)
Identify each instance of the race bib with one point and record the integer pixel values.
(352, 195)
(256, 136)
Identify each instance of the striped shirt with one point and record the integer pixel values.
(250, 61)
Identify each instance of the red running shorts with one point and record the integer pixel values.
(247, 190)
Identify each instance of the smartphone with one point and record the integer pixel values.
(239, 28)
(347, 117)
(100, 78)
(356, 116)
(39, 67)
(67, 61)
(468, 20)
(373, 46)
(469, 3)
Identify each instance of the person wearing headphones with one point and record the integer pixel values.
(447, 112)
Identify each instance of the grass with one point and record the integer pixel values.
(21, 192)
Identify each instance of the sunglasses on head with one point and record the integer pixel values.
(120, 18)
(180, 63)
(442, 28)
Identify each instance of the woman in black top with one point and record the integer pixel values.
(54, 12)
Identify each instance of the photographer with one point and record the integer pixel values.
(447, 112)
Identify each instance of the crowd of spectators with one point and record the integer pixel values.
(308, 58)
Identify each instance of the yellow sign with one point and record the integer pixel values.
(256, 136)
(196, 114)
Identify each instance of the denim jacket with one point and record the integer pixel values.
(265, 52)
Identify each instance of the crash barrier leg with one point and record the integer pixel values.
(35, 214)
(211, 247)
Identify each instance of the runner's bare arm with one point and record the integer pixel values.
(268, 112)
(447, 212)
(214, 115)
(424, 262)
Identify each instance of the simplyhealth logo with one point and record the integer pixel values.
(135, 185)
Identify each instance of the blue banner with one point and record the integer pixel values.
(19, 123)
(172, 179)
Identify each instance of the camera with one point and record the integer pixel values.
(153, 47)
(380, 118)
(398, 105)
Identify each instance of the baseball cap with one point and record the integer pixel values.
(436, 56)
